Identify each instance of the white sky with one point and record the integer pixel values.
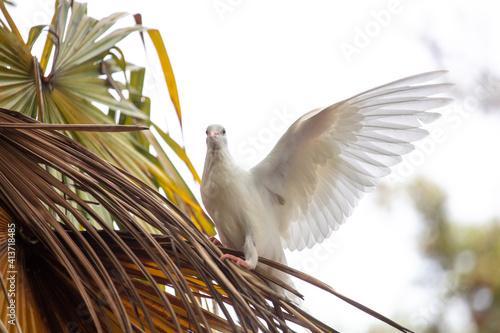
(262, 64)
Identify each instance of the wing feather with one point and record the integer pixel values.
(330, 157)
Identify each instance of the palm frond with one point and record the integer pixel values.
(90, 82)
(114, 278)
(72, 268)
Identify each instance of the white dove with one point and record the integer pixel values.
(318, 171)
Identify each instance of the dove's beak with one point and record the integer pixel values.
(213, 134)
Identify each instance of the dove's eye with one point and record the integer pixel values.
(206, 132)
(223, 131)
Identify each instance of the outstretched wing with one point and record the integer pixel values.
(330, 157)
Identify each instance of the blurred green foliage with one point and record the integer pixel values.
(468, 252)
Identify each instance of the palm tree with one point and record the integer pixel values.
(87, 243)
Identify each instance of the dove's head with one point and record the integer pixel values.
(216, 137)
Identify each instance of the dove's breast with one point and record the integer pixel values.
(240, 208)
(226, 199)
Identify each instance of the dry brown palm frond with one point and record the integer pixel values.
(73, 272)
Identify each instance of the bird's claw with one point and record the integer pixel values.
(215, 241)
(238, 261)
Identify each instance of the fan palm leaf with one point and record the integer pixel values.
(89, 82)
(66, 269)
(103, 279)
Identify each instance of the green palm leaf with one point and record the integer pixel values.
(82, 88)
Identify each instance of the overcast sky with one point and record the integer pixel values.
(255, 66)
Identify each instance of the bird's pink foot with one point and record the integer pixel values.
(215, 241)
(238, 261)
